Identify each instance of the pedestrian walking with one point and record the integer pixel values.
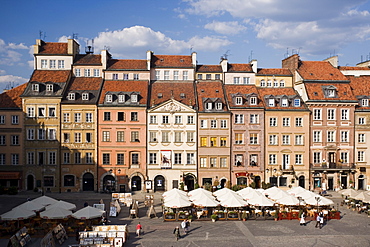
(176, 231)
(302, 222)
(183, 226)
(138, 229)
(187, 226)
(319, 220)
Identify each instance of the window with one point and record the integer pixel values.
(345, 114)
(178, 136)
(273, 122)
(213, 124)
(77, 117)
(41, 112)
(136, 76)
(361, 156)
(2, 140)
(361, 121)
(263, 83)
(284, 102)
(236, 80)
(135, 136)
(176, 75)
(107, 116)
(190, 158)
(317, 136)
(120, 159)
(134, 116)
(108, 98)
(14, 140)
(44, 63)
(317, 114)
(66, 137)
(203, 162)
(238, 138)
(49, 87)
(121, 98)
(30, 113)
(344, 136)
(209, 106)
(2, 159)
(273, 140)
(87, 73)
(331, 114)
(78, 158)
(134, 158)
(52, 134)
(272, 159)
(238, 160)
(344, 157)
(282, 83)
(364, 102)
(49, 181)
(269, 83)
(165, 119)
(223, 141)
(219, 106)
(152, 158)
(89, 117)
(125, 77)
(133, 98)
(276, 83)
(297, 103)
(299, 140)
(35, 87)
(203, 123)
(106, 159)
(213, 141)
(66, 117)
(208, 76)
(15, 159)
(178, 120)
(286, 122)
(165, 137)
(15, 119)
(41, 134)
(77, 72)
(78, 137)
(96, 72)
(223, 162)
(203, 141)
(253, 100)
(166, 74)
(106, 136)
(52, 64)
(331, 136)
(120, 136)
(30, 158)
(190, 136)
(153, 119)
(190, 119)
(30, 134)
(152, 136)
(85, 96)
(238, 100)
(298, 159)
(2, 119)
(60, 64)
(157, 75)
(271, 102)
(69, 180)
(298, 122)
(223, 124)
(217, 76)
(361, 138)
(213, 162)
(89, 158)
(185, 75)
(52, 112)
(66, 158)
(286, 140)
(331, 92)
(71, 96)
(178, 158)
(239, 118)
(88, 137)
(246, 80)
(254, 118)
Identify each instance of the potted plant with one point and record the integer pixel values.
(214, 217)
(190, 218)
(244, 215)
(276, 216)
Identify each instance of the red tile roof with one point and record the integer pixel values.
(243, 89)
(360, 84)
(90, 59)
(85, 83)
(353, 68)
(169, 89)
(171, 61)
(240, 67)
(11, 98)
(209, 89)
(125, 86)
(50, 75)
(53, 48)
(209, 68)
(315, 91)
(288, 91)
(277, 72)
(320, 70)
(127, 64)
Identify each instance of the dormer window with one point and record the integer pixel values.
(271, 102)
(284, 102)
(282, 83)
(269, 83)
(77, 72)
(208, 76)
(49, 87)
(136, 76)
(115, 76)
(160, 95)
(121, 98)
(276, 84)
(219, 106)
(134, 98)
(365, 102)
(35, 87)
(182, 95)
(87, 73)
(108, 98)
(85, 96)
(238, 101)
(200, 76)
(263, 83)
(297, 102)
(208, 106)
(253, 101)
(331, 93)
(71, 96)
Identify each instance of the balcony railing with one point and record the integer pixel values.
(333, 166)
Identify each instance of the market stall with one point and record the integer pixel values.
(104, 236)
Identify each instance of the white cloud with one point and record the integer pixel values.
(8, 55)
(231, 27)
(12, 80)
(2, 72)
(134, 41)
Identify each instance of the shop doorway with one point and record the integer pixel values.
(109, 183)
(330, 183)
(257, 181)
(189, 182)
(343, 181)
(361, 182)
(136, 183)
(223, 182)
(301, 182)
(88, 182)
(159, 183)
(30, 182)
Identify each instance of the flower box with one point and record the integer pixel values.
(169, 217)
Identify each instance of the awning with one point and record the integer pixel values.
(241, 174)
(10, 175)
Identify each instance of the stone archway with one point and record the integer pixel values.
(109, 183)
(30, 182)
(159, 183)
(301, 181)
(136, 183)
(88, 182)
(189, 181)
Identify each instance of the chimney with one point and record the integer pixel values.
(194, 59)
(73, 47)
(149, 55)
(254, 65)
(104, 58)
(333, 61)
(291, 63)
(224, 64)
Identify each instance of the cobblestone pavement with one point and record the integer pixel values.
(351, 230)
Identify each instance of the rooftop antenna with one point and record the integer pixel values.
(225, 55)
(299, 49)
(191, 49)
(74, 36)
(287, 53)
(41, 33)
(89, 49)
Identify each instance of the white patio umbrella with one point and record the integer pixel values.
(278, 194)
(206, 201)
(174, 192)
(288, 200)
(226, 194)
(55, 213)
(32, 206)
(260, 201)
(221, 191)
(171, 196)
(272, 190)
(198, 196)
(260, 190)
(349, 192)
(321, 202)
(296, 190)
(233, 201)
(88, 213)
(177, 202)
(245, 190)
(250, 195)
(45, 200)
(306, 194)
(199, 191)
(63, 205)
(18, 214)
(363, 196)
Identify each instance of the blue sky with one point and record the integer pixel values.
(266, 30)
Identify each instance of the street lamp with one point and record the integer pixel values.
(318, 199)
